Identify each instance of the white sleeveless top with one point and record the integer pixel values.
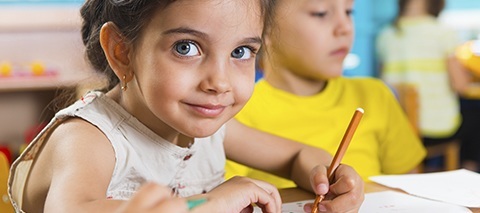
(141, 155)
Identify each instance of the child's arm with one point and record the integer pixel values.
(82, 162)
(305, 165)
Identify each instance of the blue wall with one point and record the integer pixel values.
(363, 42)
(462, 4)
(370, 16)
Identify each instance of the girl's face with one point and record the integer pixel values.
(311, 38)
(194, 66)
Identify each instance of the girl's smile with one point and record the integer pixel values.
(207, 110)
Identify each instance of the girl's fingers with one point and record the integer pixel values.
(271, 190)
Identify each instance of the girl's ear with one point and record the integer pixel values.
(117, 51)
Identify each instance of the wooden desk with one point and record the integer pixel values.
(295, 194)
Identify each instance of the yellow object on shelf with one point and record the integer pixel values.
(5, 69)
(469, 56)
(38, 68)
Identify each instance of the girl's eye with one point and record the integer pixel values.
(242, 53)
(186, 48)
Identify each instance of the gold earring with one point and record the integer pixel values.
(124, 83)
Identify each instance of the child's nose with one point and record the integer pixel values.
(344, 25)
(216, 78)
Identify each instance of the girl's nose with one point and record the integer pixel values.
(216, 79)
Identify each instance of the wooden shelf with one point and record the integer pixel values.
(49, 34)
(16, 84)
(39, 17)
(46, 34)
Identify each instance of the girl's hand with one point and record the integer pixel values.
(238, 193)
(154, 198)
(344, 194)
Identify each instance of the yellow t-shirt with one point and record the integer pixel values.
(384, 142)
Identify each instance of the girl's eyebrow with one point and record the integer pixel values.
(186, 30)
(254, 40)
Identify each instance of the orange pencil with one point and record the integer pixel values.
(342, 148)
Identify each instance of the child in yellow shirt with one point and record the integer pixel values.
(303, 96)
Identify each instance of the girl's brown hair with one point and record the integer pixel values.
(130, 16)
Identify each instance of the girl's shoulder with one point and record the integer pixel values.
(76, 137)
(71, 147)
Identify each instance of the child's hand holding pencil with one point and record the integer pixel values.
(338, 187)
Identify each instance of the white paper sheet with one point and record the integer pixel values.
(390, 201)
(385, 202)
(460, 187)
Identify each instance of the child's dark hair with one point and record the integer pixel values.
(130, 16)
(434, 7)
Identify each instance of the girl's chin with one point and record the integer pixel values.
(203, 131)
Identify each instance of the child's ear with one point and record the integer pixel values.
(116, 50)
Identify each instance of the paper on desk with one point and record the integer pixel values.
(390, 201)
(293, 207)
(460, 187)
(384, 202)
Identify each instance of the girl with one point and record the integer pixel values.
(179, 71)
(313, 103)
(416, 49)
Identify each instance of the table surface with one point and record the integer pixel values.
(295, 194)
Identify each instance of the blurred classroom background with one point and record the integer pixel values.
(41, 56)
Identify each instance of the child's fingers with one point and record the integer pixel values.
(345, 181)
(271, 190)
(238, 193)
(343, 203)
(267, 198)
(347, 191)
(319, 180)
(342, 185)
